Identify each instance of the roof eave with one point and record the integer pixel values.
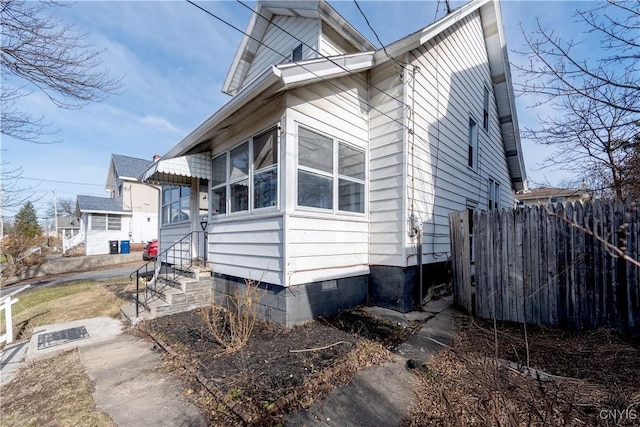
(307, 72)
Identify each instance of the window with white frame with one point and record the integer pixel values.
(101, 222)
(472, 157)
(248, 169)
(176, 204)
(494, 194)
(323, 161)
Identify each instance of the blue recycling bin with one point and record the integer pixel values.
(125, 246)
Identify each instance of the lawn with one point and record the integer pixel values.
(65, 303)
(56, 391)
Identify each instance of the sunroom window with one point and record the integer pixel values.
(176, 204)
(317, 173)
(235, 177)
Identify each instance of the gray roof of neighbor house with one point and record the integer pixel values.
(68, 221)
(125, 167)
(100, 205)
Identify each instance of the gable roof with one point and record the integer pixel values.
(262, 16)
(92, 204)
(288, 75)
(125, 167)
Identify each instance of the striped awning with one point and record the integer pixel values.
(178, 170)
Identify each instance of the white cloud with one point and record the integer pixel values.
(159, 123)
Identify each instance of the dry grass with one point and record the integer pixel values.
(65, 303)
(593, 380)
(52, 392)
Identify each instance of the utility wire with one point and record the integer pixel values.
(401, 64)
(59, 182)
(356, 97)
(403, 125)
(356, 75)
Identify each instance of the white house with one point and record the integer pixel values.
(331, 156)
(129, 214)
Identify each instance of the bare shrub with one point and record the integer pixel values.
(15, 248)
(231, 323)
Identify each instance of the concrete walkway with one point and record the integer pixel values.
(128, 387)
(382, 395)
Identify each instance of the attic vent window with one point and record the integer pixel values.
(296, 55)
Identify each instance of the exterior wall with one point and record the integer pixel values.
(305, 29)
(387, 167)
(97, 241)
(250, 244)
(447, 92)
(142, 200)
(332, 43)
(321, 244)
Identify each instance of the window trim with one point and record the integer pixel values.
(486, 108)
(472, 144)
(335, 175)
(179, 201)
(493, 195)
(250, 177)
(106, 217)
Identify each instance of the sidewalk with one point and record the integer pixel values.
(128, 387)
(382, 395)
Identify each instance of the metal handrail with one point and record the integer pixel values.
(180, 250)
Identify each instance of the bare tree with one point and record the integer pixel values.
(65, 206)
(39, 52)
(596, 99)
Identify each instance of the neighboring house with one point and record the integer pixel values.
(316, 177)
(68, 226)
(550, 195)
(131, 213)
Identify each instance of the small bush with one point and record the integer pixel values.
(231, 325)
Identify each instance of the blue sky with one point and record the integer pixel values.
(173, 59)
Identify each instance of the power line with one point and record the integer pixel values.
(60, 182)
(300, 65)
(401, 64)
(324, 56)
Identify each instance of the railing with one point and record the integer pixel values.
(169, 266)
(68, 243)
(5, 304)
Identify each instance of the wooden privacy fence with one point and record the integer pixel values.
(550, 265)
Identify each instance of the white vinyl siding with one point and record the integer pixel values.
(449, 90)
(332, 43)
(326, 248)
(249, 248)
(321, 245)
(306, 30)
(386, 167)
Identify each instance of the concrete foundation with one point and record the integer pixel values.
(298, 304)
(398, 288)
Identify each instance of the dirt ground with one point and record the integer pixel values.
(579, 378)
(279, 370)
